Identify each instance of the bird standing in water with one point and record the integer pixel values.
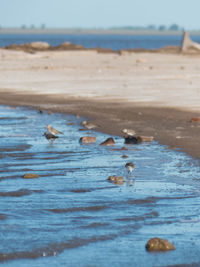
(53, 130)
(50, 137)
(130, 167)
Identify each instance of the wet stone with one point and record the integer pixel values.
(108, 142)
(195, 119)
(132, 140)
(116, 179)
(87, 139)
(124, 156)
(146, 138)
(158, 244)
(30, 176)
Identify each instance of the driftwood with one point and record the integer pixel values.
(188, 44)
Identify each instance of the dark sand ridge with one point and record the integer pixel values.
(154, 94)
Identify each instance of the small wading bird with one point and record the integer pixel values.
(88, 125)
(129, 132)
(50, 137)
(53, 130)
(130, 167)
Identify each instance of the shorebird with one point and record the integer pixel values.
(129, 167)
(53, 130)
(129, 132)
(88, 125)
(50, 137)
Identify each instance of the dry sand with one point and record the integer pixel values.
(152, 93)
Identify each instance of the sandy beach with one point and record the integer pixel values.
(153, 93)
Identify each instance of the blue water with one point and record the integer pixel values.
(113, 41)
(72, 216)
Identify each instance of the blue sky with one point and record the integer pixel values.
(99, 13)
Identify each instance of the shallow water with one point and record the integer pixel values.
(72, 216)
(113, 41)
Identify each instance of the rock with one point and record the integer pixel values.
(87, 139)
(108, 142)
(39, 45)
(116, 179)
(81, 129)
(195, 119)
(124, 156)
(158, 244)
(70, 46)
(66, 44)
(146, 138)
(30, 176)
(132, 139)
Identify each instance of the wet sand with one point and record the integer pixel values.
(152, 93)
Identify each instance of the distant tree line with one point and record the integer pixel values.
(172, 27)
(32, 26)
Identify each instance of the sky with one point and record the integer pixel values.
(99, 13)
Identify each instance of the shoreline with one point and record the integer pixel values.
(155, 94)
(169, 126)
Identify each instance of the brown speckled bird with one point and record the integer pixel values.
(53, 130)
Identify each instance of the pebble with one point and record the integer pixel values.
(30, 176)
(146, 138)
(116, 179)
(87, 139)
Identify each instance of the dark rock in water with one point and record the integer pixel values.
(30, 176)
(87, 139)
(116, 179)
(132, 139)
(158, 244)
(124, 156)
(81, 129)
(108, 142)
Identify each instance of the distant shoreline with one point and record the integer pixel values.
(91, 31)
